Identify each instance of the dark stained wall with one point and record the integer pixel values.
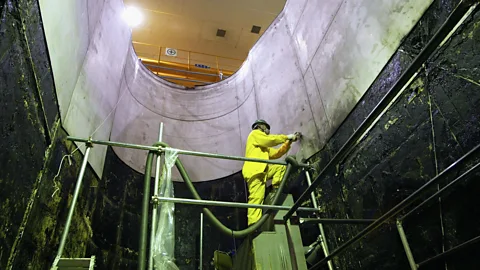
(33, 207)
(432, 124)
(34, 203)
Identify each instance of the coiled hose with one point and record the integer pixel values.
(142, 251)
(291, 162)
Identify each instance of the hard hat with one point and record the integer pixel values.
(260, 121)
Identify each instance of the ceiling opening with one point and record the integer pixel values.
(221, 33)
(199, 42)
(256, 29)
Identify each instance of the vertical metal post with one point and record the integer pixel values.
(155, 203)
(291, 248)
(159, 55)
(201, 242)
(142, 241)
(218, 69)
(323, 239)
(74, 202)
(406, 246)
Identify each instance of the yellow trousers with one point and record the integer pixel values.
(256, 188)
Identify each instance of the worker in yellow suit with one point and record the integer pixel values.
(259, 145)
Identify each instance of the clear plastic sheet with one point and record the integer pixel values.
(164, 241)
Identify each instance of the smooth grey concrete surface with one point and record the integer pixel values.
(311, 28)
(67, 32)
(87, 43)
(352, 54)
(304, 74)
(205, 121)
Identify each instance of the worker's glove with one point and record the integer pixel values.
(294, 137)
(291, 137)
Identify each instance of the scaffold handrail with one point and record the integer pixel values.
(230, 204)
(181, 152)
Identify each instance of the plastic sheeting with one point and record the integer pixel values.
(164, 241)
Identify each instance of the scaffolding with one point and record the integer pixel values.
(461, 12)
(159, 149)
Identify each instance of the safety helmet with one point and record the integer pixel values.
(260, 121)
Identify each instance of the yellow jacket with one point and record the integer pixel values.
(259, 146)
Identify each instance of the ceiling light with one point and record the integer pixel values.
(132, 16)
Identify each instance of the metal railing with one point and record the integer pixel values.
(156, 199)
(328, 256)
(192, 67)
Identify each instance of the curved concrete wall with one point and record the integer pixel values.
(208, 120)
(305, 74)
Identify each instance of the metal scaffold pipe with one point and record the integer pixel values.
(231, 204)
(323, 237)
(181, 152)
(155, 204)
(74, 202)
(406, 246)
(142, 247)
(201, 242)
(398, 208)
(442, 190)
(306, 221)
(451, 251)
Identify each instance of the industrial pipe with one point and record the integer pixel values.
(450, 24)
(142, 247)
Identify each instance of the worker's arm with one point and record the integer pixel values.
(278, 153)
(264, 140)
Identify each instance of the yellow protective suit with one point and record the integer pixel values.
(256, 174)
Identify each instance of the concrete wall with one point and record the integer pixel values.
(33, 198)
(87, 42)
(304, 74)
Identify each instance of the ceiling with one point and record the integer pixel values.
(192, 25)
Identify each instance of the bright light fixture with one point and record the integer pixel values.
(132, 16)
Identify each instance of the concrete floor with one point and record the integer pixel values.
(306, 73)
